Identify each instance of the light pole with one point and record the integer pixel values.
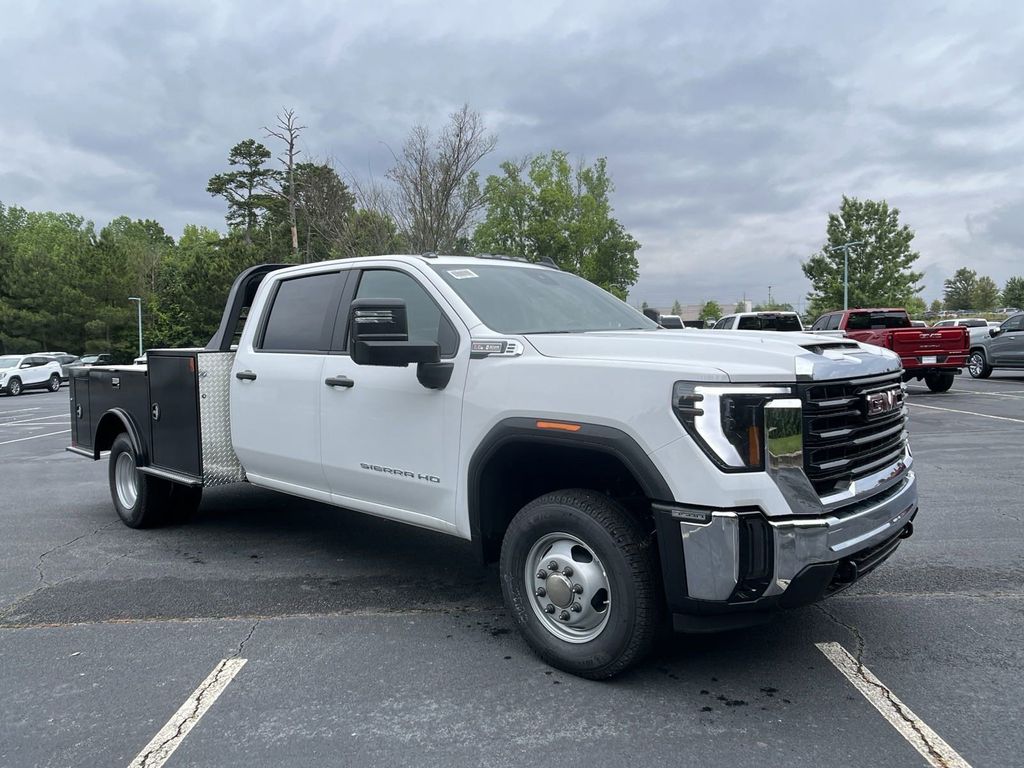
(138, 303)
(845, 248)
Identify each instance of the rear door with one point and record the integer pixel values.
(390, 445)
(277, 380)
(1007, 348)
(37, 373)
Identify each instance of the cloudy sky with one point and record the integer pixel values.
(730, 128)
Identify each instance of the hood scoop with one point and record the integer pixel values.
(820, 349)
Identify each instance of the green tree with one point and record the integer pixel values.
(985, 295)
(546, 207)
(936, 306)
(249, 191)
(915, 306)
(710, 311)
(677, 308)
(880, 270)
(958, 290)
(1013, 293)
(773, 306)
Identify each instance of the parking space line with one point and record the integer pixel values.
(18, 410)
(922, 738)
(33, 420)
(967, 413)
(1019, 394)
(33, 437)
(169, 738)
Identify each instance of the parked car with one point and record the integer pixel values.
(21, 372)
(977, 327)
(1003, 347)
(933, 354)
(66, 361)
(615, 477)
(918, 324)
(100, 359)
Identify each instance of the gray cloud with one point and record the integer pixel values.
(730, 130)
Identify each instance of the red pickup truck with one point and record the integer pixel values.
(933, 354)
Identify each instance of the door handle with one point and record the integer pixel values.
(246, 376)
(339, 381)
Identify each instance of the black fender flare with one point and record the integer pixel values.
(595, 437)
(130, 427)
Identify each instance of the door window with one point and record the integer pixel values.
(427, 322)
(1015, 323)
(833, 322)
(298, 313)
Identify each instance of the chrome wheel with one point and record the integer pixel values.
(126, 480)
(976, 364)
(14, 387)
(571, 592)
(54, 383)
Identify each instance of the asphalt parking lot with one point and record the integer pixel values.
(368, 642)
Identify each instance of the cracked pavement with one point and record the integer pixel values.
(369, 642)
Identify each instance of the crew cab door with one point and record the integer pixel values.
(276, 383)
(1008, 347)
(391, 445)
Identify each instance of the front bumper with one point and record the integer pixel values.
(738, 562)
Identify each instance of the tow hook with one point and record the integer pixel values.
(908, 531)
(847, 572)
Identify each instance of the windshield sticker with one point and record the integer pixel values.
(462, 274)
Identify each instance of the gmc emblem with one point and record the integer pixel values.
(881, 403)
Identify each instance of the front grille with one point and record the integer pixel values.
(842, 442)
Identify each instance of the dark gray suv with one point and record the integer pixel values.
(1003, 348)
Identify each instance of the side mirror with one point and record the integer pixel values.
(993, 332)
(379, 335)
(25, 365)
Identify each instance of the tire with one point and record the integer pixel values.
(608, 549)
(14, 387)
(141, 501)
(54, 383)
(977, 366)
(939, 381)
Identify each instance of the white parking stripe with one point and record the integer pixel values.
(968, 413)
(168, 738)
(922, 738)
(30, 421)
(18, 410)
(33, 437)
(1015, 395)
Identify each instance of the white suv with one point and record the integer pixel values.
(21, 372)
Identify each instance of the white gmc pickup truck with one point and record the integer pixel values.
(622, 475)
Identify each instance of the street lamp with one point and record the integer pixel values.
(845, 248)
(138, 303)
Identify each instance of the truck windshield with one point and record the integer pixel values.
(864, 321)
(520, 300)
(9, 362)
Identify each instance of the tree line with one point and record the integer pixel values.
(64, 285)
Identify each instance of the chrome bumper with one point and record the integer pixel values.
(712, 548)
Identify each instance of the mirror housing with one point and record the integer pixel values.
(379, 335)
(993, 332)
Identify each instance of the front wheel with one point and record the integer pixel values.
(939, 381)
(54, 385)
(579, 575)
(977, 366)
(14, 387)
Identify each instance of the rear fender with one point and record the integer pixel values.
(111, 424)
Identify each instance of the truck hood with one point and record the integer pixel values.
(739, 355)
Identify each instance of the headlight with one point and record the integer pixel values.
(727, 422)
